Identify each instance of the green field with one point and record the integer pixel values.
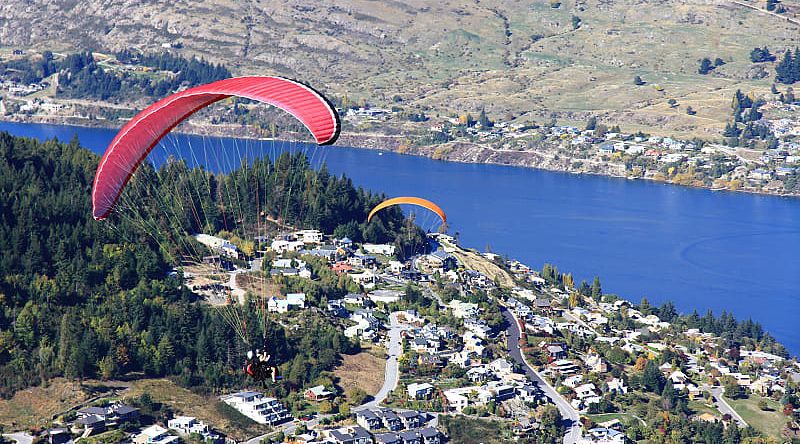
(768, 422)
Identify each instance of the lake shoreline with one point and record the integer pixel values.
(395, 144)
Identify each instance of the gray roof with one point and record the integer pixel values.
(93, 410)
(90, 420)
(124, 409)
(429, 432)
(387, 438)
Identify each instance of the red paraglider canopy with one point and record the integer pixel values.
(138, 137)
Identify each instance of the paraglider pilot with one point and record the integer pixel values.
(258, 367)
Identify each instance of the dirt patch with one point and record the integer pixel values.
(363, 370)
(36, 407)
(257, 284)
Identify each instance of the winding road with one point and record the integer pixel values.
(570, 415)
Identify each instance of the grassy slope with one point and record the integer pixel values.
(769, 422)
(457, 55)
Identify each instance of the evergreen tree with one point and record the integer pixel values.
(705, 66)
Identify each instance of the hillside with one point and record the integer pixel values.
(520, 59)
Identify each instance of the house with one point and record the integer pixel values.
(678, 379)
(421, 344)
(293, 300)
(478, 374)
(257, 407)
(529, 393)
(388, 438)
(362, 260)
(341, 268)
(288, 263)
(617, 386)
(461, 359)
(420, 391)
(355, 299)
(91, 424)
(585, 391)
(564, 367)
(500, 390)
(188, 425)
(58, 436)
(411, 419)
(349, 435)
(457, 399)
(123, 413)
(308, 236)
(555, 351)
(411, 437)
(389, 419)
(602, 435)
(337, 308)
(329, 252)
(572, 381)
(383, 249)
(317, 393)
(430, 435)
(155, 434)
(595, 363)
(396, 267)
(366, 278)
(369, 420)
(501, 367)
(441, 260)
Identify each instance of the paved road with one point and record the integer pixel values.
(20, 437)
(392, 374)
(723, 405)
(570, 415)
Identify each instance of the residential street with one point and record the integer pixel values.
(571, 417)
(392, 374)
(723, 405)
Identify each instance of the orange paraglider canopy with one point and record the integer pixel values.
(410, 201)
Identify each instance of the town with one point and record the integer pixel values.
(758, 152)
(474, 336)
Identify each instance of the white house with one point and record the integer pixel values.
(293, 300)
(187, 425)
(308, 236)
(155, 434)
(384, 249)
(257, 407)
(420, 391)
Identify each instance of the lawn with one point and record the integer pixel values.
(768, 422)
(624, 418)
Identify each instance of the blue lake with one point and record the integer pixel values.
(701, 249)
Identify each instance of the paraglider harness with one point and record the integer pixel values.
(258, 367)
